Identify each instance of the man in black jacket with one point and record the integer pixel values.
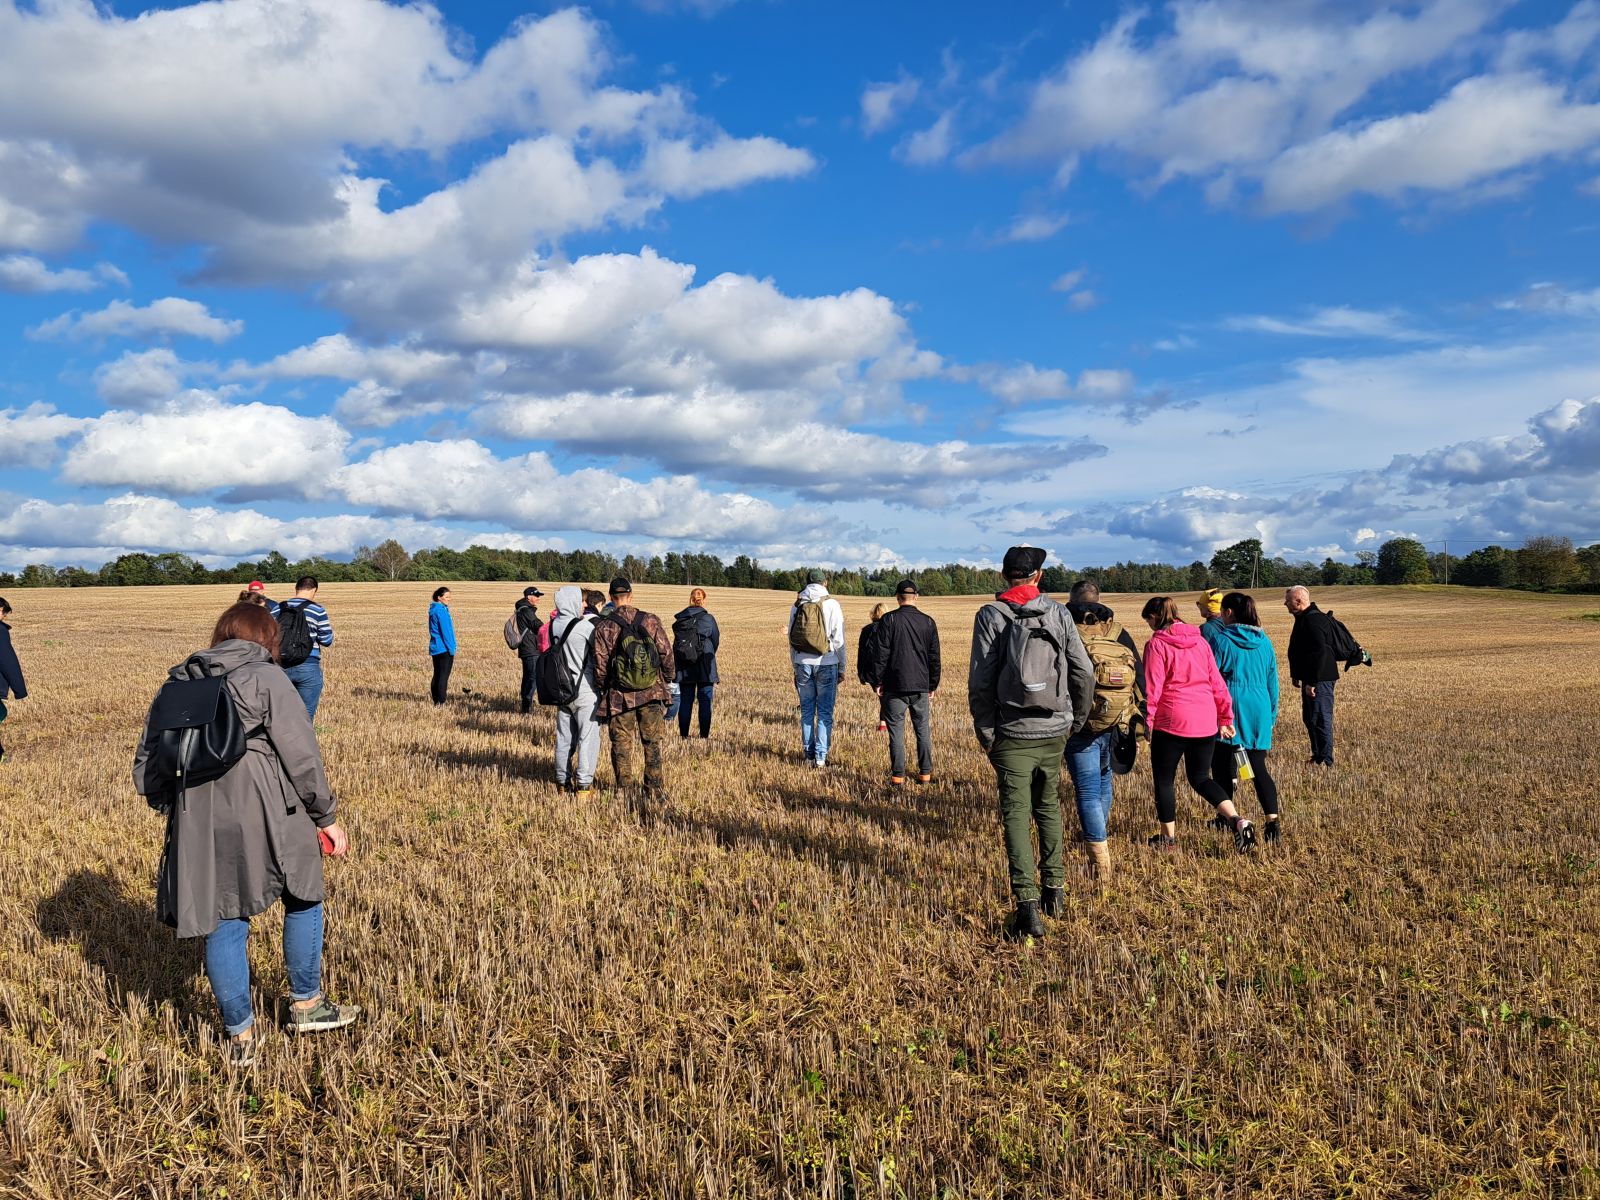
(1314, 669)
(528, 621)
(905, 662)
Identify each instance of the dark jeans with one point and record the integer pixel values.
(646, 725)
(690, 695)
(1318, 715)
(895, 707)
(1166, 751)
(530, 679)
(1223, 769)
(440, 688)
(307, 680)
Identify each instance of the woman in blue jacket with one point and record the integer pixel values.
(11, 683)
(441, 643)
(1249, 666)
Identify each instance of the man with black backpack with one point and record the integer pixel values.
(303, 631)
(1317, 646)
(1030, 685)
(816, 651)
(634, 666)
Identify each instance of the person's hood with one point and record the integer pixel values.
(569, 602)
(220, 659)
(694, 610)
(1247, 637)
(524, 602)
(814, 593)
(1084, 611)
(1179, 634)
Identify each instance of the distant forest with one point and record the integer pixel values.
(1542, 563)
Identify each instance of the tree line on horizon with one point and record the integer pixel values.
(1541, 563)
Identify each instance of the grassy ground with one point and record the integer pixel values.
(792, 984)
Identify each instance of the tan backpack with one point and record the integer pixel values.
(1116, 680)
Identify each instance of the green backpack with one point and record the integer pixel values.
(808, 632)
(635, 662)
(1115, 677)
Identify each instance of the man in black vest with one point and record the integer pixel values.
(1314, 669)
(905, 662)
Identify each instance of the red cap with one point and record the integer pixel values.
(256, 586)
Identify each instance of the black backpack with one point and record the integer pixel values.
(201, 735)
(553, 682)
(294, 635)
(1345, 647)
(686, 641)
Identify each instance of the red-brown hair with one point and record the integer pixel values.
(247, 623)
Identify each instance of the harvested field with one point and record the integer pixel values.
(785, 983)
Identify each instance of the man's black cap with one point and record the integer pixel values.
(620, 586)
(1022, 561)
(531, 591)
(906, 587)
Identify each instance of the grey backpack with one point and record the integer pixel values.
(1031, 674)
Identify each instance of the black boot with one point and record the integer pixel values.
(1052, 900)
(1025, 921)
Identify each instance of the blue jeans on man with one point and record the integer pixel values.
(307, 680)
(1317, 713)
(818, 688)
(228, 964)
(1088, 758)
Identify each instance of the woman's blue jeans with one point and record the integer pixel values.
(228, 965)
(1089, 763)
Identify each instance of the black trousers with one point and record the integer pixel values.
(1166, 751)
(530, 678)
(1223, 770)
(1317, 713)
(440, 688)
(895, 707)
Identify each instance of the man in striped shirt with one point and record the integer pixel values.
(307, 676)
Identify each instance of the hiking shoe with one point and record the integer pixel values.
(320, 1017)
(1025, 921)
(242, 1052)
(1161, 841)
(1272, 832)
(924, 778)
(897, 780)
(1052, 900)
(1244, 836)
(583, 793)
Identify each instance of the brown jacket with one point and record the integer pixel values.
(607, 632)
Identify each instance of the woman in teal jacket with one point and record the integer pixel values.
(1249, 666)
(441, 643)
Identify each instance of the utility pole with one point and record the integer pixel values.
(1447, 562)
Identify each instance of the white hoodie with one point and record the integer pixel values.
(832, 621)
(569, 608)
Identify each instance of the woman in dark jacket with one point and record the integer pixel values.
(696, 679)
(237, 845)
(865, 645)
(11, 682)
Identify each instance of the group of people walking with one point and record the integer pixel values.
(250, 815)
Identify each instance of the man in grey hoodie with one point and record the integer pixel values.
(575, 723)
(1030, 686)
(816, 651)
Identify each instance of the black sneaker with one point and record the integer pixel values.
(1244, 836)
(1052, 900)
(1025, 922)
(1272, 833)
(1161, 841)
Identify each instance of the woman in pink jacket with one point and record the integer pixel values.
(1189, 705)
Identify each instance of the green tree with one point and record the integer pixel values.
(1548, 562)
(1234, 566)
(1403, 560)
(1487, 566)
(388, 558)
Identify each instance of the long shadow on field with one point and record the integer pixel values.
(518, 762)
(120, 935)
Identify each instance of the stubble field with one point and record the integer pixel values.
(786, 983)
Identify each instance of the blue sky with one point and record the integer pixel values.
(852, 284)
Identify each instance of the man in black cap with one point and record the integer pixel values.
(1030, 686)
(525, 627)
(905, 662)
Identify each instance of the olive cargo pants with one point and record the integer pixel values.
(1027, 770)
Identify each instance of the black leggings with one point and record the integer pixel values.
(1266, 787)
(1166, 749)
(440, 689)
